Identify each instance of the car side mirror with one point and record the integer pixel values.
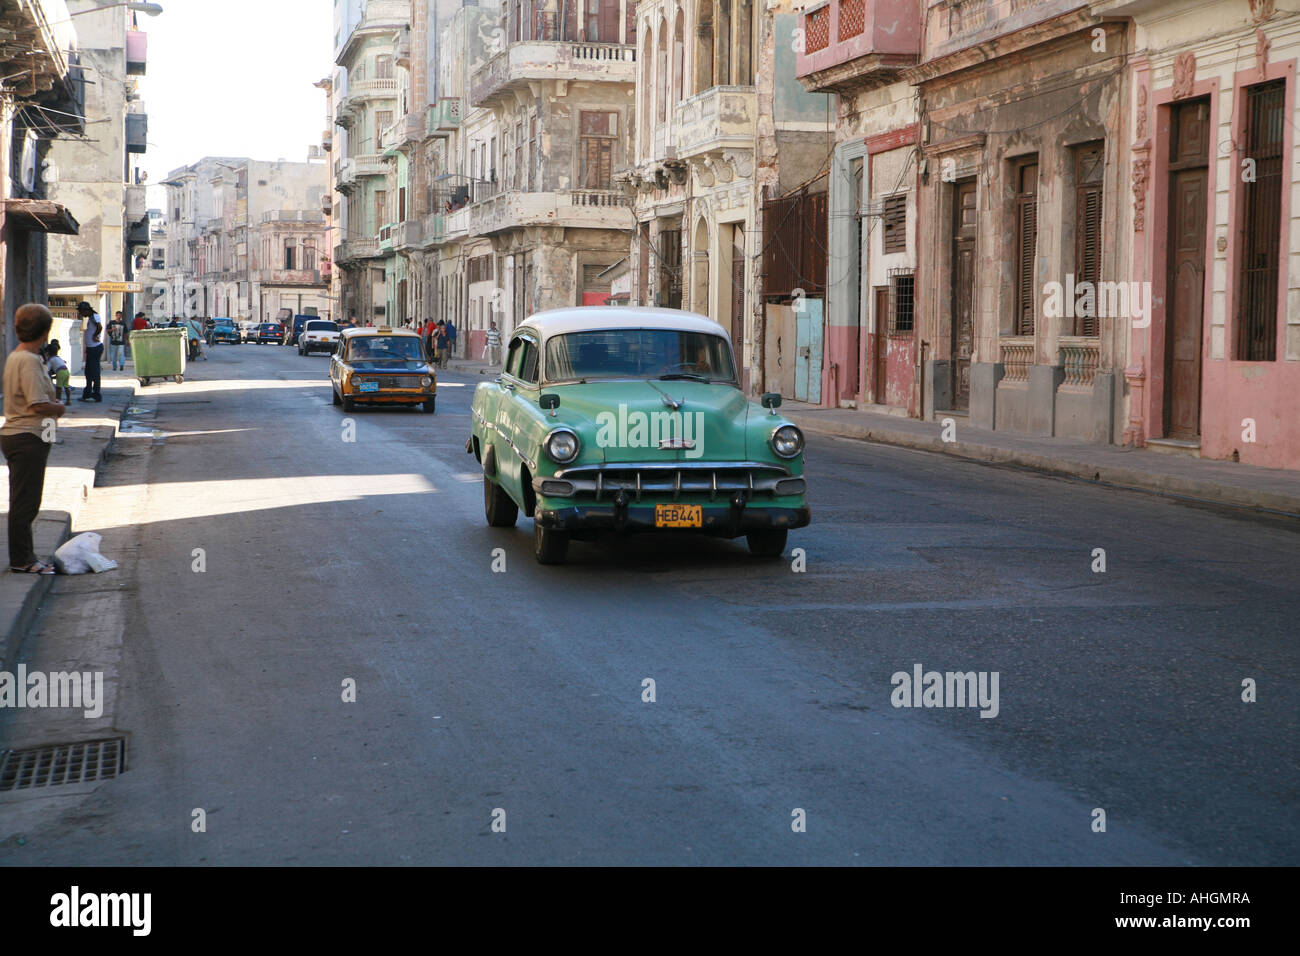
(550, 402)
(772, 400)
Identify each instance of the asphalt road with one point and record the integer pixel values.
(521, 691)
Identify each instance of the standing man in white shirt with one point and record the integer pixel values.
(92, 340)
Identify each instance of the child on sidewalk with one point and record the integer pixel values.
(59, 371)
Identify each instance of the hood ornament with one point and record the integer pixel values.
(674, 403)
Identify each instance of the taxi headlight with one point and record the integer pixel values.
(787, 441)
(426, 381)
(561, 446)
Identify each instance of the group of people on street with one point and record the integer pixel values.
(440, 340)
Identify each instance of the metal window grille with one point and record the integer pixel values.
(902, 290)
(1259, 239)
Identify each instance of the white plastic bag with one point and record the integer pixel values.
(80, 555)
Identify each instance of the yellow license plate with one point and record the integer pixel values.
(679, 516)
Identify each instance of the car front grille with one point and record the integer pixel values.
(389, 381)
(715, 479)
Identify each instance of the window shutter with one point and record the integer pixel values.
(895, 224)
(629, 30)
(1026, 247)
(1088, 233)
(570, 19)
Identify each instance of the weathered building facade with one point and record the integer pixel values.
(245, 239)
(558, 86)
(857, 51)
(41, 99)
(722, 125)
(1022, 203)
(1209, 177)
(97, 176)
(366, 103)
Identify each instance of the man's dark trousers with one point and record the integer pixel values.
(26, 455)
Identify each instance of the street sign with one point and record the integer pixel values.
(104, 287)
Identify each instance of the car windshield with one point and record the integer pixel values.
(667, 354)
(322, 327)
(225, 325)
(384, 348)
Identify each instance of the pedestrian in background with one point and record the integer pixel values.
(451, 337)
(92, 341)
(117, 343)
(59, 371)
(492, 345)
(440, 343)
(30, 405)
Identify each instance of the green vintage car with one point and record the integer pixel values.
(629, 419)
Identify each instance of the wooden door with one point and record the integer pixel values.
(965, 225)
(1185, 275)
(879, 373)
(738, 290)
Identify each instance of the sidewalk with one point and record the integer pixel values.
(84, 437)
(1221, 482)
(472, 367)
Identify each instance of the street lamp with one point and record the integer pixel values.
(148, 9)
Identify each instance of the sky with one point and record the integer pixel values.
(234, 78)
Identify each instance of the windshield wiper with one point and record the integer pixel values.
(693, 376)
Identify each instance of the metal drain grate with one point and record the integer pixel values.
(59, 764)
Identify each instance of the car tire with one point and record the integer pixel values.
(767, 544)
(334, 395)
(429, 405)
(498, 507)
(349, 405)
(549, 545)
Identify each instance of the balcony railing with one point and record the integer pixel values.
(408, 234)
(529, 61)
(857, 43)
(290, 277)
(578, 208)
(1080, 361)
(958, 24)
(721, 117)
(444, 116)
(1016, 360)
(356, 249)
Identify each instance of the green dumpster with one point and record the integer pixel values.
(159, 353)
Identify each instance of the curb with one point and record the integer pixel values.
(1173, 486)
(50, 530)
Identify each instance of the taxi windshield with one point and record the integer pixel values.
(384, 348)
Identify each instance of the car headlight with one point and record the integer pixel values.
(787, 441)
(561, 446)
(426, 381)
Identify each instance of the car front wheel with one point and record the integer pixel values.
(498, 507)
(349, 405)
(549, 545)
(767, 544)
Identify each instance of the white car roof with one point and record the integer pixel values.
(590, 318)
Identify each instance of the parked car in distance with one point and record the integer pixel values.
(248, 330)
(382, 366)
(318, 335)
(296, 325)
(270, 332)
(632, 419)
(224, 331)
